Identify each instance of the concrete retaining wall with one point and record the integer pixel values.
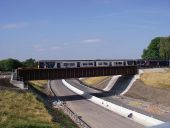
(135, 77)
(111, 82)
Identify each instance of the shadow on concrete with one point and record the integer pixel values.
(121, 84)
(88, 85)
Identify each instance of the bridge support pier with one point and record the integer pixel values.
(18, 83)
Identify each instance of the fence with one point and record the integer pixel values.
(77, 119)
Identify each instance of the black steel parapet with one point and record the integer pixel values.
(65, 73)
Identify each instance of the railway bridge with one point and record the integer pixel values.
(64, 69)
(64, 73)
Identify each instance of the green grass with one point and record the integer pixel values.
(22, 110)
(63, 120)
(39, 84)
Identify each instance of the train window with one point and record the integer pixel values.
(99, 63)
(131, 62)
(66, 64)
(90, 63)
(72, 64)
(50, 64)
(41, 65)
(105, 63)
(84, 64)
(119, 62)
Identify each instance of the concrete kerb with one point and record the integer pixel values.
(137, 117)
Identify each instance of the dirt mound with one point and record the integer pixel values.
(148, 93)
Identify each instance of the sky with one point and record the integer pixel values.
(80, 29)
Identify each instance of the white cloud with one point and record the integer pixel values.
(38, 48)
(55, 48)
(149, 12)
(14, 25)
(9, 26)
(139, 26)
(43, 48)
(89, 41)
(23, 24)
(103, 1)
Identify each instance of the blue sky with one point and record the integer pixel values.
(80, 29)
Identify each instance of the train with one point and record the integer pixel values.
(140, 63)
(152, 63)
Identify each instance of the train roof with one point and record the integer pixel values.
(87, 60)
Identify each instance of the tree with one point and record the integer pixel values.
(9, 64)
(29, 63)
(159, 48)
(165, 48)
(152, 52)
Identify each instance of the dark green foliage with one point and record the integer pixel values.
(29, 63)
(9, 64)
(159, 48)
(165, 48)
(36, 125)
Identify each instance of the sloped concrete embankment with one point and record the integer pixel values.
(137, 117)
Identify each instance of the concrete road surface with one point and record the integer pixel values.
(92, 114)
(110, 97)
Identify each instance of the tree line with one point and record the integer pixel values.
(10, 64)
(159, 48)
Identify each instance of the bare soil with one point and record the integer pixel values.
(5, 84)
(148, 93)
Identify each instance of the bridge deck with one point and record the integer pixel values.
(64, 73)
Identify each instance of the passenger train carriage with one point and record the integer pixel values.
(87, 64)
(68, 64)
(102, 63)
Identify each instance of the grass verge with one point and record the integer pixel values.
(91, 81)
(29, 109)
(39, 87)
(157, 79)
(20, 109)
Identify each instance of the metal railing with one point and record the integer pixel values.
(15, 77)
(77, 119)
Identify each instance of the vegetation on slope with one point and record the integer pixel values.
(63, 120)
(157, 79)
(39, 85)
(91, 81)
(22, 110)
